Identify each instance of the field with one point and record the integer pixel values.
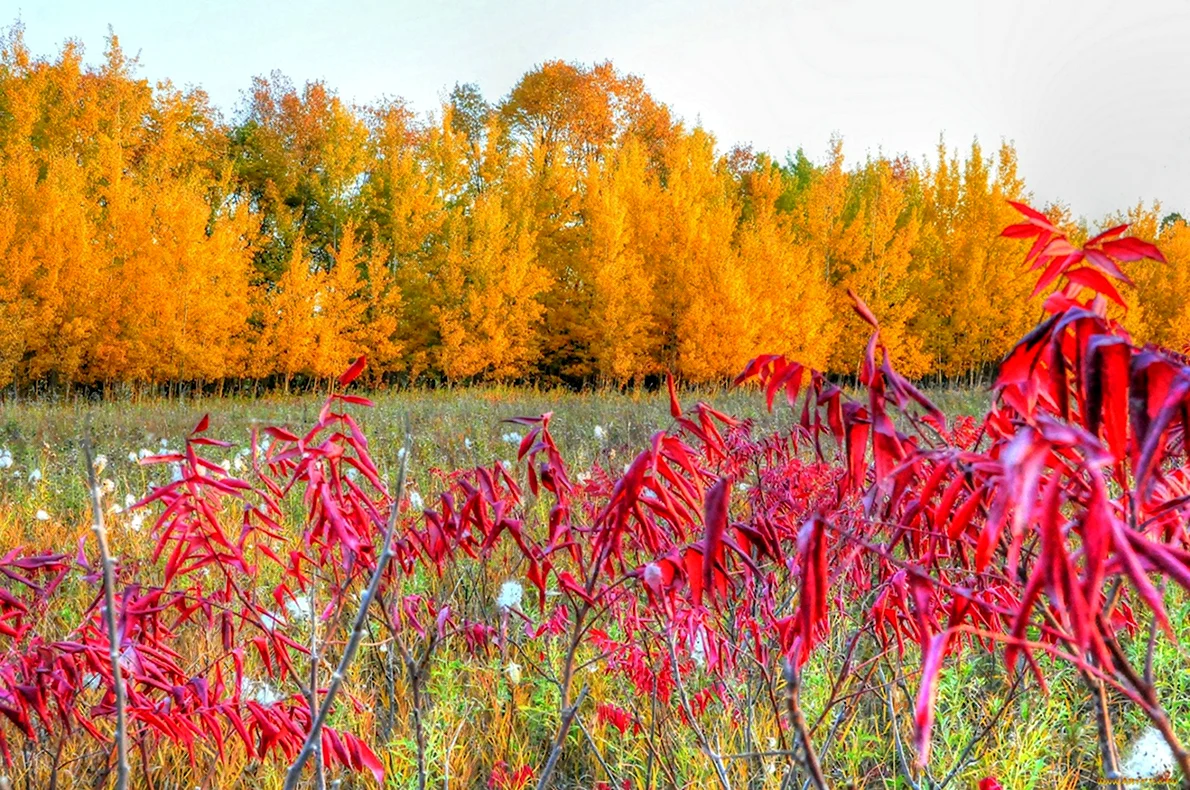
(485, 720)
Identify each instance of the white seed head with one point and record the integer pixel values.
(511, 594)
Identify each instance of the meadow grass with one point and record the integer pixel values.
(1040, 740)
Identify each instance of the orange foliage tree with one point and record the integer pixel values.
(574, 231)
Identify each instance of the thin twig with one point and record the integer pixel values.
(720, 769)
(902, 760)
(109, 601)
(568, 715)
(797, 721)
(595, 749)
(357, 629)
(1151, 647)
(312, 600)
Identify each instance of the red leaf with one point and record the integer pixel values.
(1106, 390)
(924, 713)
(1087, 277)
(716, 524)
(675, 410)
(862, 310)
(1110, 233)
(364, 756)
(203, 424)
(1025, 230)
(1031, 213)
(352, 373)
(1132, 249)
(1105, 264)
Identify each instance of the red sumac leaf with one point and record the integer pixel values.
(352, 373)
(716, 524)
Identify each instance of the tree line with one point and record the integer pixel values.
(574, 231)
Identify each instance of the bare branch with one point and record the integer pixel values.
(797, 720)
(109, 606)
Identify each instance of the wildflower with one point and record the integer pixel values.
(1149, 757)
(142, 453)
(137, 522)
(164, 444)
(132, 456)
(652, 576)
(175, 472)
(129, 500)
(92, 681)
(300, 609)
(226, 464)
(467, 442)
(238, 463)
(34, 476)
(271, 621)
(514, 672)
(259, 691)
(698, 649)
(401, 453)
(108, 487)
(415, 501)
(5, 458)
(100, 464)
(42, 516)
(511, 437)
(510, 596)
(599, 433)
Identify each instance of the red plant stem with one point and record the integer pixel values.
(109, 602)
(357, 630)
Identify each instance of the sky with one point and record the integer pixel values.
(1095, 95)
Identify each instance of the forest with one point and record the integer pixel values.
(572, 232)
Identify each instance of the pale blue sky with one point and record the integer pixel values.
(1096, 95)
